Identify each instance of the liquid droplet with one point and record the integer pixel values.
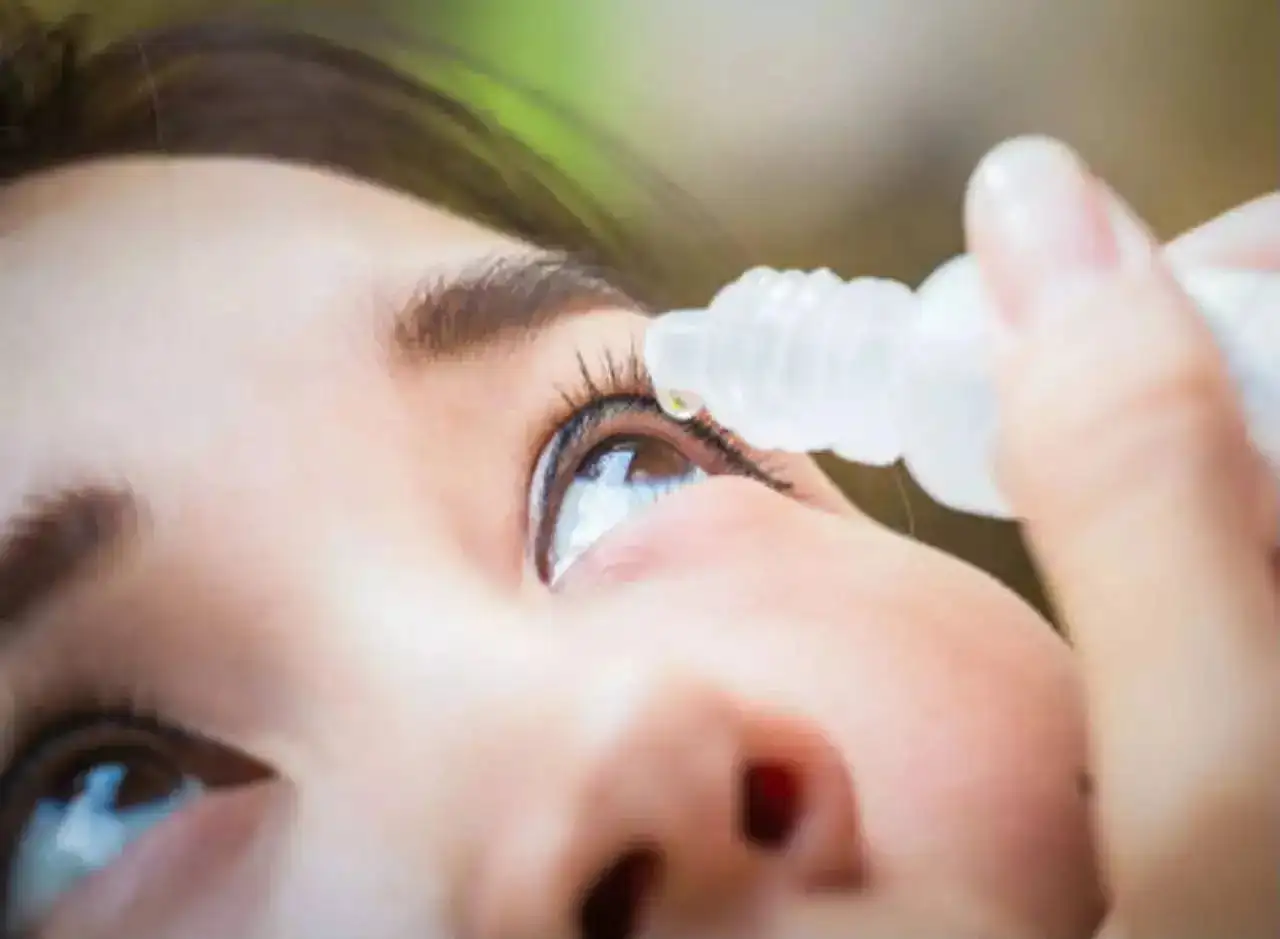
(681, 405)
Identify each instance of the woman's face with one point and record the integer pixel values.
(346, 510)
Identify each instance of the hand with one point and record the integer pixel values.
(1153, 521)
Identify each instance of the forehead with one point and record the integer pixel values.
(147, 301)
(136, 245)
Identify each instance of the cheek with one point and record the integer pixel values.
(957, 705)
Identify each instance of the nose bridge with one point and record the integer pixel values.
(385, 629)
(659, 802)
(402, 680)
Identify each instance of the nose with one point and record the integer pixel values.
(670, 809)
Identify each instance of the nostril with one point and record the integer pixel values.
(614, 904)
(772, 804)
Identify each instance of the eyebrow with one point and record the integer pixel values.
(504, 300)
(54, 541)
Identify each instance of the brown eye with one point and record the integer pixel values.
(74, 802)
(617, 455)
(145, 776)
(617, 478)
(644, 461)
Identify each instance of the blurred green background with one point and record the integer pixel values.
(840, 132)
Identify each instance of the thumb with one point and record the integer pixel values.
(1124, 450)
(1035, 217)
(1112, 383)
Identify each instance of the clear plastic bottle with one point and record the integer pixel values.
(868, 369)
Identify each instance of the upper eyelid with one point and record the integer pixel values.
(620, 374)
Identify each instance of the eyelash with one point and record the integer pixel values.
(617, 386)
(65, 705)
(605, 395)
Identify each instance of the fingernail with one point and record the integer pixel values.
(1039, 223)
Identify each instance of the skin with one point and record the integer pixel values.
(1154, 519)
(456, 747)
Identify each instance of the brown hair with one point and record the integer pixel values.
(256, 84)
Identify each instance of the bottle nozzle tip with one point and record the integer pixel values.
(681, 405)
(673, 352)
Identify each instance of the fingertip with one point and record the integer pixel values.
(1033, 218)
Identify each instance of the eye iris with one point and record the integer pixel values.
(87, 812)
(638, 464)
(613, 481)
(148, 775)
(653, 460)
